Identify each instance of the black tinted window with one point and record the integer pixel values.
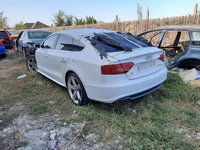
(38, 34)
(67, 43)
(3, 34)
(49, 43)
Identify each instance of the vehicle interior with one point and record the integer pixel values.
(174, 43)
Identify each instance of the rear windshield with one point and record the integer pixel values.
(38, 35)
(195, 38)
(3, 34)
(115, 41)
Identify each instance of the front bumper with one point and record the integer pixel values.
(131, 89)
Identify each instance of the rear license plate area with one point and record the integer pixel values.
(146, 65)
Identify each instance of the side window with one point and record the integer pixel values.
(195, 38)
(77, 45)
(69, 44)
(151, 37)
(64, 43)
(169, 39)
(49, 43)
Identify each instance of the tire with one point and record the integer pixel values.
(31, 63)
(76, 90)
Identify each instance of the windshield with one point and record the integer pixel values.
(38, 34)
(115, 41)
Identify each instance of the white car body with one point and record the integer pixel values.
(146, 75)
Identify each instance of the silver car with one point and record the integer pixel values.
(27, 38)
(181, 44)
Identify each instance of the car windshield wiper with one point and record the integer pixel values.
(111, 42)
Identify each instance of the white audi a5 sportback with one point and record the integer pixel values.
(100, 65)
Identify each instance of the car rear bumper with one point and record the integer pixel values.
(131, 89)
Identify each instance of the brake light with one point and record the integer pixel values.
(116, 68)
(162, 57)
(1, 43)
(10, 38)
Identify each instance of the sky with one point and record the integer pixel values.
(30, 11)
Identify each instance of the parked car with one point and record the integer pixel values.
(100, 65)
(27, 38)
(2, 49)
(6, 39)
(181, 44)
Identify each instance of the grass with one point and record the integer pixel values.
(161, 120)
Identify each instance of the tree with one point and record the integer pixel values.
(79, 21)
(90, 20)
(147, 15)
(19, 26)
(139, 12)
(59, 19)
(69, 20)
(3, 21)
(116, 18)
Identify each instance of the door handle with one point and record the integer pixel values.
(63, 61)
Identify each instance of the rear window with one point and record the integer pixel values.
(3, 34)
(38, 35)
(115, 41)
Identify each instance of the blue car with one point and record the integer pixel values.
(2, 49)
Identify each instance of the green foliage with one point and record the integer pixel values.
(19, 26)
(79, 21)
(90, 20)
(3, 21)
(59, 18)
(69, 20)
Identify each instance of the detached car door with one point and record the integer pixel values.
(59, 56)
(42, 54)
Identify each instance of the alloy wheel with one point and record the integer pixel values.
(74, 89)
(31, 64)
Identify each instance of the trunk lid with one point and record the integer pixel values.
(146, 61)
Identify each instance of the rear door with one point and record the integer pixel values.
(59, 56)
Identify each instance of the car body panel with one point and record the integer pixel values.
(87, 63)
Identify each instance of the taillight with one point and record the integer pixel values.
(10, 39)
(116, 68)
(1, 43)
(162, 57)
